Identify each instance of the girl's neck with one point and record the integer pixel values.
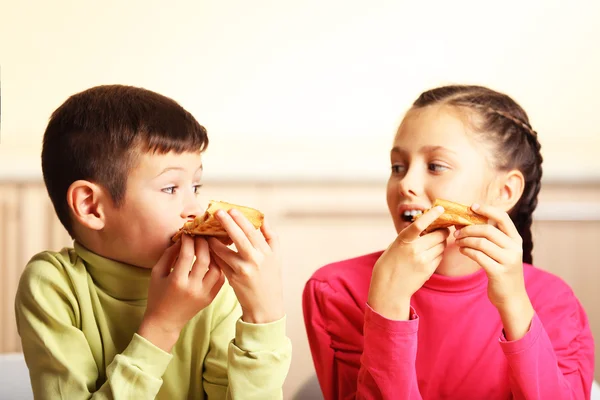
(456, 264)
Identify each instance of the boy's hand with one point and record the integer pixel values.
(254, 271)
(499, 251)
(177, 294)
(405, 266)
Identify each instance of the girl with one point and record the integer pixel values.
(453, 314)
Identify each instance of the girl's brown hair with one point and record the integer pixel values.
(504, 124)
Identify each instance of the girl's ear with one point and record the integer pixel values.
(510, 189)
(86, 201)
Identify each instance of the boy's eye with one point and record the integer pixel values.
(170, 189)
(437, 167)
(197, 188)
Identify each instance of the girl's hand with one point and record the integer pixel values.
(499, 251)
(405, 266)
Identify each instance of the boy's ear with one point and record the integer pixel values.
(510, 189)
(86, 201)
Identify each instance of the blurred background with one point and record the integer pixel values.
(301, 100)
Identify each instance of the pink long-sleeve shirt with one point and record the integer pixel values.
(452, 347)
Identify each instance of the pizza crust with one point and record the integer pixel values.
(208, 225)
(455, 214)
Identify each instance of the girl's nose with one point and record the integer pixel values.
(409, 184)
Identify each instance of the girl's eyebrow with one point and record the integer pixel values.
(424, 149)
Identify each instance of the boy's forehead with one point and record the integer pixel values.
(153, 164)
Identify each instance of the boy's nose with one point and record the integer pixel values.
(191, 208)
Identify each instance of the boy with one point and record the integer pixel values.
(126, 313)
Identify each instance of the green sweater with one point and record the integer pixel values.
(78, 313)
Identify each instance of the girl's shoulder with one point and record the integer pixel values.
(342, 283)
(547, 290)
(356, 267)
(538, 278)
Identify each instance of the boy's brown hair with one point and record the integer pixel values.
(98, 134)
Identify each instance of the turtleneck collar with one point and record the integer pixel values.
(458, 284)
(118, 280)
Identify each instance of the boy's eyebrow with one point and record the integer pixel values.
(200, 168)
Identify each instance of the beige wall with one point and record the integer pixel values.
(319, 223)
(302, 76)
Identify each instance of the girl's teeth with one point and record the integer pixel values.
(409, 215)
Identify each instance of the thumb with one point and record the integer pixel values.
(413, 231)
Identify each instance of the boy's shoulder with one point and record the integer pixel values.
(348, 272)
(50, 268)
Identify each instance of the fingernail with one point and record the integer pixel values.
(219, 213)
(439, 208)
(457, 233)
(475, 206)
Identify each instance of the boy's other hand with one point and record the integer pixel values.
(176, 293)
(254, 271)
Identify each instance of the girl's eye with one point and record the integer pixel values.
(397, 168)
(437, 167)
(197, 188)
(170, 189)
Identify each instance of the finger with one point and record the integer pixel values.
(254, 236)
(435, 263)
(216, 287)
(485, 246)
(488, 232)
(165, 263)
(433, 253)
(491, 266)
(413, 231)
(222, 264)
(225, 240)
(212, 276)
(501, 218)
(202, 262)
(270, 235)
(182, 266)
(235, 232)
(201, 251)
(222, 251)
(431, 239)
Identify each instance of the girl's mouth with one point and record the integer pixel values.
(410, 215)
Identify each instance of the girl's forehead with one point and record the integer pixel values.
(435, 126)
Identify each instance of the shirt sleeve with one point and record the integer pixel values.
(60, 361)
(245, 361)
(384, 369)
(555, 359)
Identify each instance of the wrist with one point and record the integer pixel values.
(516, 317)
(262, 317)
(158, 334)
(396, 310)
